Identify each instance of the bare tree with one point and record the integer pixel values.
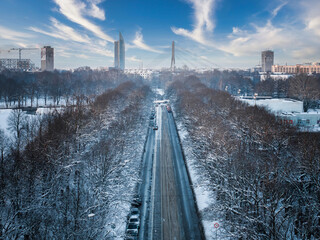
(17, 125)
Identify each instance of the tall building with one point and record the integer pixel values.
(267, 59)
(119, 53)
(47, 59)
(116, 55)
(173, 58)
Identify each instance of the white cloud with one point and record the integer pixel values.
(133, 59)
(9, 34)
(312, 17)
(243, 43)
(203, 23)
(96, 12)
(75, 10)
(275, 11)
(61, 31)
(139, 43)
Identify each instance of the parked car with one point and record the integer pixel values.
(134, 220)
(132, 229)
(155, 127)
(134, 212)
(136, 201)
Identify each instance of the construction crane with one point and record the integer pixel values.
(20, 49)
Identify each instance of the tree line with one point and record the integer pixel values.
(56, 184)
(26, 89)
(300, 87)
(265, 174)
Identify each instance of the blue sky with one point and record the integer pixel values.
(224, 33)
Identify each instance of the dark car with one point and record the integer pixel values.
(135, 220)
(136, 201)
(134, 212)
(132, 229)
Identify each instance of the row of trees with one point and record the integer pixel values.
(21, 88)
(56, 184)
(265, 174)
(301, 87)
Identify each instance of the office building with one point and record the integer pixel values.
(299, 68)
(267, 59)
(119, 53)
(47, 58)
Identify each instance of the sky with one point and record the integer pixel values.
(207, 33)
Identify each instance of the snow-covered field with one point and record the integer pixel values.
(277, 105)
(5, 113)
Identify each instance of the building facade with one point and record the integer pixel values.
(299, 68)
(267, 59)
(119, 53)
(17, 64)
(47, 58)
(116, 55)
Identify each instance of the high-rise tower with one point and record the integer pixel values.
(173, 58)
(119, 53)
(116, 54)
(47, 58)
(267, 59)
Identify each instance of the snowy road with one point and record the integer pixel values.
(172, 212)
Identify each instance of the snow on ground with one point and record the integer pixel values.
(205, 197)
(122, 185)
(159, 91)
(4, 115)
(277, 105)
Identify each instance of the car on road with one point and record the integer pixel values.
(131, 237)
(134, 212)
(132, 229)
(136, 201)
(155, 127)
(134, 220)
(169, 108)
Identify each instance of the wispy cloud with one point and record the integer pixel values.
(133, 59)
(139, 43)
(275, 11)
(311, 16)
(76, 10)
(203, 22)
(95, 11)
(9, 34)
(244, 43)
(61, 31)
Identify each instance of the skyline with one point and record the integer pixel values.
(207, 32)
